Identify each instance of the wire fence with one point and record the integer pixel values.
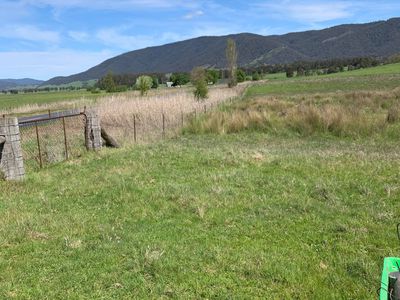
(58, 136)
(47, 140)
(147, 128)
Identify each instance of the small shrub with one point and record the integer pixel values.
(199, 81)
(240, 75)
(144, 83)
(289, 72)
(155, 82)
(256, 76)
(121, 88)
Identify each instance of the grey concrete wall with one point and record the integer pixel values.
(11, 161)
(93, 130)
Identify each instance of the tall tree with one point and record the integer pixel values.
(212, 76)
(108, 83)
(231, 58)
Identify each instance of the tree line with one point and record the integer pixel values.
(231, 75)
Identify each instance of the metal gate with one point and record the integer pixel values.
(52, 138)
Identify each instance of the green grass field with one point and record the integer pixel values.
(379, 70)
(238, 216)
(289, 193)
(325, 85)
(10, 101)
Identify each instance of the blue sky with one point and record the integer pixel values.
(45, 38)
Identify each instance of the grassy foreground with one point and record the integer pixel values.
(299, 201)
(236, 216)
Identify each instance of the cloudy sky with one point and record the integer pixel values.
(45, 38)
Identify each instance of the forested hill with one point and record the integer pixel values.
(379, 39)
(16, 83)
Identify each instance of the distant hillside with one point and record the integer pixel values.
(380, 39)
(17, 83)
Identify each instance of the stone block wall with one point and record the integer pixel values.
(11, 161)
(93, 130)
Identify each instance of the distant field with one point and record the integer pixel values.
(10, 101)
(321, 84)
(275, 76)
(380, 70)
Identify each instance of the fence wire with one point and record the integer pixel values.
(52, 140)
(145, 127)
(59, 136)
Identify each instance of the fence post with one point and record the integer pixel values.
(11, 161)
(163, 125)
(92, 130)
(65, 139)
(38, 144)
(134, 128)
(182, 120)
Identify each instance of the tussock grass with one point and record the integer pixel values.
(393, 114)
(345, 114)
(222, 122)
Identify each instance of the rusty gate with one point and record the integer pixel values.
(52, 138)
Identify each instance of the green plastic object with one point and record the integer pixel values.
(390, 264)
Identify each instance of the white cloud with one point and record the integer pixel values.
(30, 33)
(47, 64)
(10, 11)
(79, 36)
(114, 38)
(194, 14)
(311, 12)
(215, 29)
(113, 5)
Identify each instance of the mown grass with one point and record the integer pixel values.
(237, 216)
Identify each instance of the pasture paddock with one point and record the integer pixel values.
(266, 211)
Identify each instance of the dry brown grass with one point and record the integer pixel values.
(222, 122)
(333, 118)
(393, 115)
(119, 112)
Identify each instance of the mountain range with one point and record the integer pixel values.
(379, 39)
(16, 83)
